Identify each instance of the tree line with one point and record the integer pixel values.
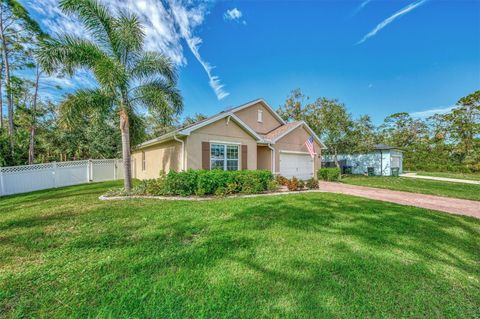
(442, 142)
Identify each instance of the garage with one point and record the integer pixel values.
(299, 165)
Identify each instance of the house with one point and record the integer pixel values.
(250, 136)
(382, 159)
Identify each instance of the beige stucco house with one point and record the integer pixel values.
(250, 136)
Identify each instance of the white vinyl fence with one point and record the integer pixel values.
(22, 179)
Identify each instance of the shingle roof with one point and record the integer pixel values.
(280, 130)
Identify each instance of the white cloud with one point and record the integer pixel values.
(390, 19)
(166, 23)
(427, 113)
(361, 6)
(187, 20)
(232, 14)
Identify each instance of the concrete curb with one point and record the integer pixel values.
(197, 198)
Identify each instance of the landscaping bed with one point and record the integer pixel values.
(205, 184)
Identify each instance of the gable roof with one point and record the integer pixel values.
(270, 137)
(265, 104)
(278, 133)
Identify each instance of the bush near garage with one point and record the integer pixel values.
(329, 174)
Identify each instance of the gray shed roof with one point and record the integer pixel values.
(384, 147)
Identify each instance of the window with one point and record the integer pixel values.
(143, 161)
(223, 156)
(260, 116)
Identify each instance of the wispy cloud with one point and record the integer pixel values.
(427, 113)
(361, 6)
(187, 20)
(392, 18)
(234, 15)
(167, 23)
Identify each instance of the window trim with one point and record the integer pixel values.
(225, 158)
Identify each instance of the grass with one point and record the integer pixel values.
(467, 176)
(64, 253)
(416, 185)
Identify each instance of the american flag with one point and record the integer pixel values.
(309, 145)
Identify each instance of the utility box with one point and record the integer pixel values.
(371, 171)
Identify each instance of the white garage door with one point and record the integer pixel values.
(298, 165)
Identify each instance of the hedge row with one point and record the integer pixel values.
(203, 182)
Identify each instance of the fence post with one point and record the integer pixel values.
(2, 186)
(90, 171)
(54, 172)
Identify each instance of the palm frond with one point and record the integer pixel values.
(84, 103)
(159, 97)
(96, 18)
(129, 35)
(69, 53)
(154, 64)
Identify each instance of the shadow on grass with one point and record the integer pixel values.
(350, 257)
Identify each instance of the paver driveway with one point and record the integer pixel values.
(444, 204)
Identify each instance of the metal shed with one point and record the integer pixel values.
(382, 159)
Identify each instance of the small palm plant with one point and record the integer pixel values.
(129, 79)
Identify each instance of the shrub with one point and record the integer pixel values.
(293, 184)
(282, 180)
(209, 181)
(329, 174)
(312, 183)
(155, 187)
(301, 184)
(181, 183)
(272, 185)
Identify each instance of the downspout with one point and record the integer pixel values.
(183, 150)
(273, 157)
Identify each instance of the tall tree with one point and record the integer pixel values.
(331, 121)
(197, 117)
(295, 106)
(128, 77)
(17, 29)
(464, 123)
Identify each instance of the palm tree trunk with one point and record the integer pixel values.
(31, 148)
(125, 129)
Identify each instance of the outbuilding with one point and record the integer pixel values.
(382, 161)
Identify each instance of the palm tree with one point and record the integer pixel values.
(128, 77)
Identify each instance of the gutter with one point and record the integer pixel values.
(183, 150)
(273, 157)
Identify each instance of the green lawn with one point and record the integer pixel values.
(468, 176)
(416, 185)
(64, 253)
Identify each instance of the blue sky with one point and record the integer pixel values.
(378, 57)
